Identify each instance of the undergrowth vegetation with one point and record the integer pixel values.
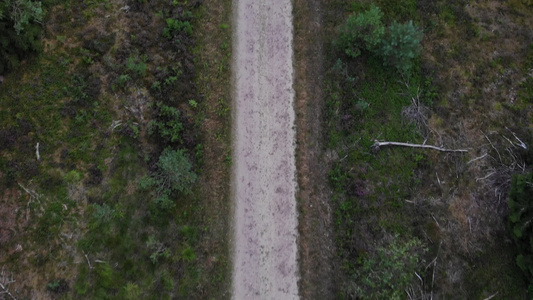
(419, 224)
(102, 156)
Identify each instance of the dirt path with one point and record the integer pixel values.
(265, 220)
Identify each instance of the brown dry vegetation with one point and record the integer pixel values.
(316, 249)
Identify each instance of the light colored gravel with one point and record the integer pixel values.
(265, 218)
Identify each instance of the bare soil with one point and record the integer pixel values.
(265, 219)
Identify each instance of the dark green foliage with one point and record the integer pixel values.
(397, 45)
(57, 286)
(167, 123)
(174, 174)
(137, 65)
(105, 275)
(520, 220)
(401, 45)
(174, 25)
(175, 171)
(363, 31)
(19, 31)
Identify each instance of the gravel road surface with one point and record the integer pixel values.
(265, 219)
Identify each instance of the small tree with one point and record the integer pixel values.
(19, 31)
(363, 31)
(400, 46)
(174, 173)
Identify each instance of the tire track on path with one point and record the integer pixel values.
(265, 215)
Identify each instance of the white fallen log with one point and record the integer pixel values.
(37, 152)
(378, 144)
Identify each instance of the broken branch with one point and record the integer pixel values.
(37, 152)
(378, 144)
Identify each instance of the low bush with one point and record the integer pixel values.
(174, 25)
(174, 173)
(166, 123)
(363, 31)
(521, 214)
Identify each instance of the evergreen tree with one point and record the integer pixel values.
(19, 31)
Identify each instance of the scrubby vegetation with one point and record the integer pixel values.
(115, 151)
(421, 224)
(102, 160)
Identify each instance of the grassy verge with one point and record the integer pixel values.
(214, 84)
(115, 89)
(315, 245)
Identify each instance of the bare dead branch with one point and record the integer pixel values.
(34, 197)
(491, 296)
(477, 158)
(492, 145)
(115, 124)
(488, 175)
(378, 144)
(5, 281)
(520, 144)
(37, 152)
(88, 262)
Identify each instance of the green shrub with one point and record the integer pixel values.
(400, 46)
(520, 216)
(175, 171)
(146, 183)
(73, 177)
(131, 291)
(103, 215)
(158, 250)
(167, 282)
(137, 65)
(19, 31)
(57, 286)
(397, 45)
(174, 174)
(164, 202)
(363, 31)
(188, 254)
(166, 123)
(174, 25)
(105, 275)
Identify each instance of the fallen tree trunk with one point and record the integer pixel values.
(378, 144)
